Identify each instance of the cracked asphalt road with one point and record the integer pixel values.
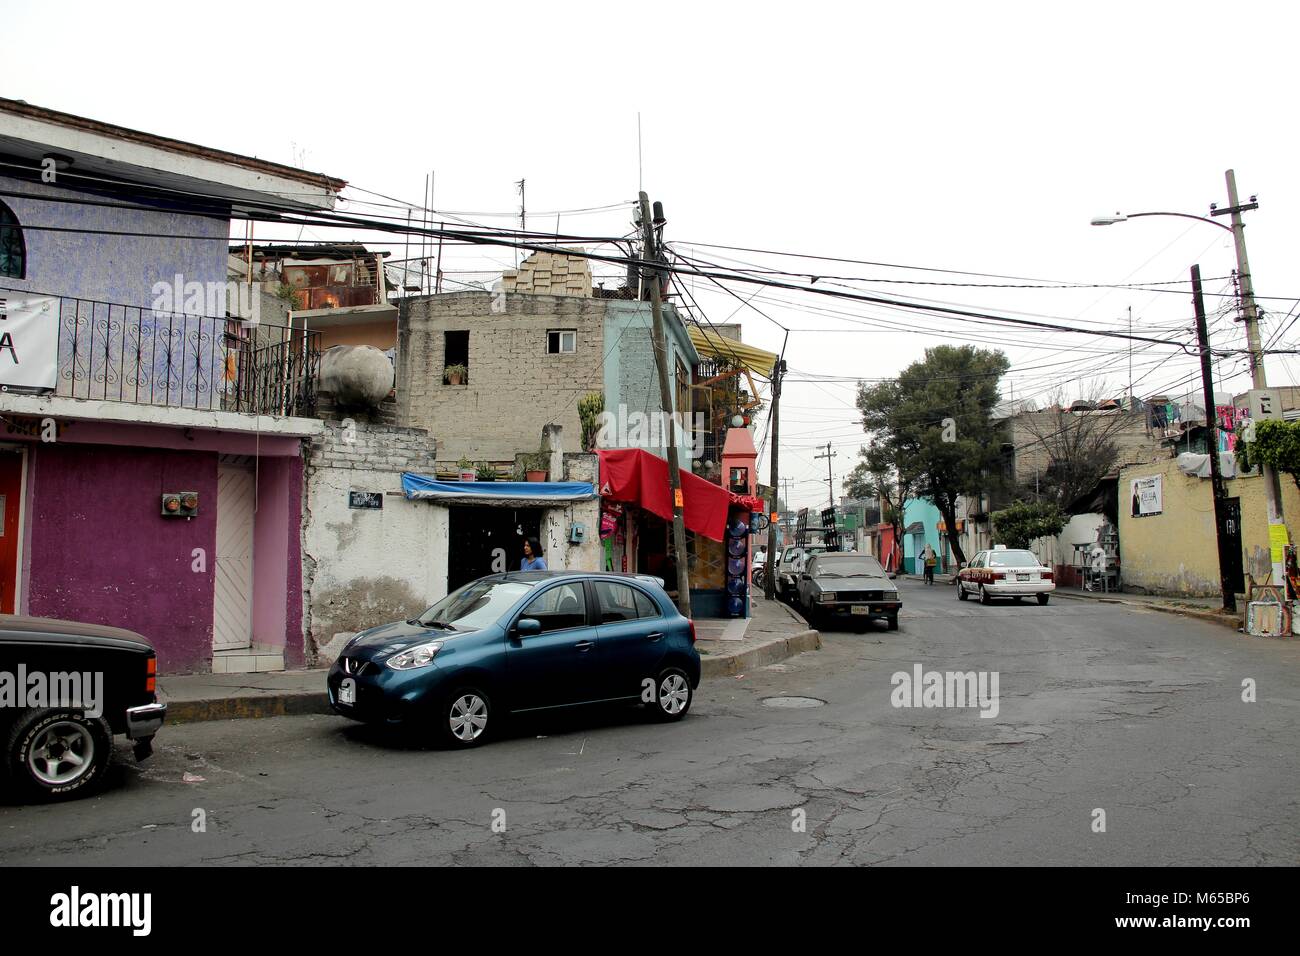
(1135, 712)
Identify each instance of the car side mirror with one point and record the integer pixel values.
(528, 626)
(962, 566)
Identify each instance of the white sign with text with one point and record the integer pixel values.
(29, 340)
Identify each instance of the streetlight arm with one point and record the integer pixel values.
(1180, 215)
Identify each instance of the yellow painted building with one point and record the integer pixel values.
(1175, 552)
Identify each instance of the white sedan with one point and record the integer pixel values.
(1005, 573)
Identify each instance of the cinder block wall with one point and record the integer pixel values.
(514, 387)
(365, 567)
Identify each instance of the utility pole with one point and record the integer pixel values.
(830, 475)
(1130, 359)
(650, 253)
(1212, 430)
(769, 576)
(1250, 314)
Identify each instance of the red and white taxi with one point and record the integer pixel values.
(1005, 573)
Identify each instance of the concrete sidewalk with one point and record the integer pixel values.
(772, 634)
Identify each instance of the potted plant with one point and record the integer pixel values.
(535, 465)
(484, 472)
(467, 471)
(454, 374)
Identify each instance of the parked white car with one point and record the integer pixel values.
(1006, 573)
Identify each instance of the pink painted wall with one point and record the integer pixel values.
(101, 552)
(277, 558)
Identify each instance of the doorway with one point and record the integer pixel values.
(486, 540)
(232, 624)
(1234, 571)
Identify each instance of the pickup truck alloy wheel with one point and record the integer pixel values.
(673, 698)
(57, 753)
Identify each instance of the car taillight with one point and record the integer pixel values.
(999, 575)
(1047, 575)
(692, 624)
(151, 672)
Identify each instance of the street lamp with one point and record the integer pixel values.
(1120, 217)
(1250, 314)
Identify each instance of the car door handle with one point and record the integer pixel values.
(656, 636)
(584, 645)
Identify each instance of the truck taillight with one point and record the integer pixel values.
(692, 624)
(151, 674)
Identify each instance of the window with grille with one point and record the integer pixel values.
(13, 251)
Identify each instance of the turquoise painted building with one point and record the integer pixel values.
(920, 527)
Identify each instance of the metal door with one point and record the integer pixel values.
(232, 619)
(1235, 571)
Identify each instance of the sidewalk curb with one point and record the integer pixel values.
(300, 703)
(1208, 616)
(288, 704)
(729, 665)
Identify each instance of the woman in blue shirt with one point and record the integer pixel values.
(533, 560)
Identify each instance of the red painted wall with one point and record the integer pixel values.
(101, 552)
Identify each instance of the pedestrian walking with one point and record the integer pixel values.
(930, 559)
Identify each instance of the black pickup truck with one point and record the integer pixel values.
(65, 690)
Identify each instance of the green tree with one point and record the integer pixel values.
(1019, 524)
(1277, 444)
(934, 425)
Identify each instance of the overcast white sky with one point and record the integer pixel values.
(971, 137)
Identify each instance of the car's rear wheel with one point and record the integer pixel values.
(985, 597)
(1042, 598)
(57, 754)
(464, 717)
(961, 592)
(673, 695)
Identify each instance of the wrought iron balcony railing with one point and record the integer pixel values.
(118, 353)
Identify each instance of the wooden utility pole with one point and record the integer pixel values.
(1212, 431)
(769, 572)
(830, 475)
(650, 253)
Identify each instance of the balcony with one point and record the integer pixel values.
(116, 353)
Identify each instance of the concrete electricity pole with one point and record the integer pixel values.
(830, 475)
(769, 576)
(1250, 314)
(650, 253)
(1216, 473)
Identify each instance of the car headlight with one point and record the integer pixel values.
(827, 596)
(413, 657)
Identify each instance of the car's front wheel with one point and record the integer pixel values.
(465, 717)
(57, 754)
(673, 695)
(961, 592)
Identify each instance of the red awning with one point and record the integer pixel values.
(638, 477)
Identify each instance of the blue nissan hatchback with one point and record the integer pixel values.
(528, 640)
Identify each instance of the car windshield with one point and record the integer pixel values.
(849, 568)
(1012, 559)
(476, 605)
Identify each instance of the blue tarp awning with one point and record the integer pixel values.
(542, 493)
